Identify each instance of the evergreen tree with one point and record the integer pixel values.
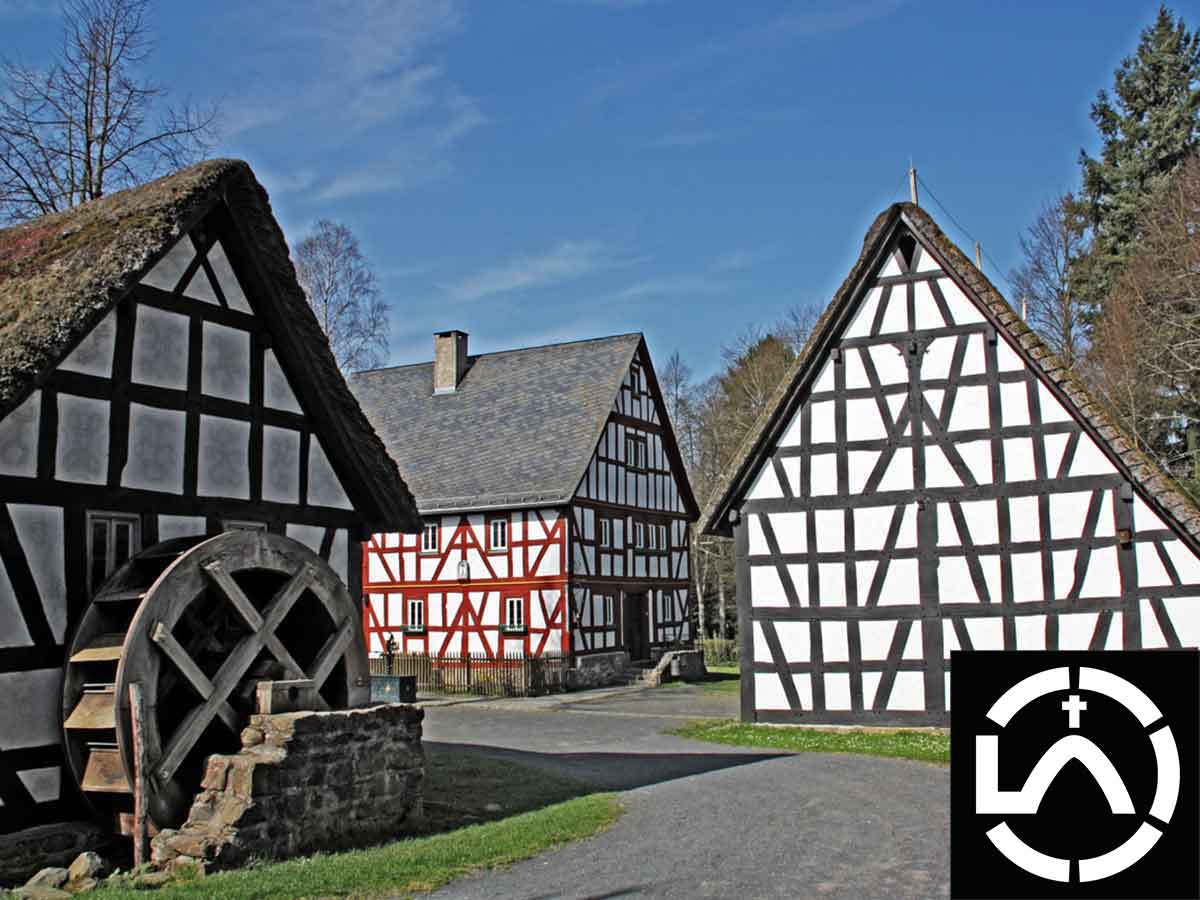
(1147, 130)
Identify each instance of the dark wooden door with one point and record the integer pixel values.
(637, 626)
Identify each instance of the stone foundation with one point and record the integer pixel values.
(598, 669)
(24, 852)
(303, 782)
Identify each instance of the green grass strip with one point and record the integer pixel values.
(404, 867)
(922, 746)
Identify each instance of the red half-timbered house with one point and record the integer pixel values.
(554, 501)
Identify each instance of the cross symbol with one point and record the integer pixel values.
(1073, 706)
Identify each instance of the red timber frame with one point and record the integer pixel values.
(495, 576)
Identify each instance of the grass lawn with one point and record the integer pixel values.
(480, 813)
(923, 746)
(719, 680)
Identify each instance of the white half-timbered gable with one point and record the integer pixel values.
(554, 499)
(928, 480)
(149, 390)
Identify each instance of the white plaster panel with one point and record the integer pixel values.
(1115, 638)
(899, 474)
(1014, 404)
(962, 310)
(281, 465)
(1068, 511)
(1187, 564)
(896, 403)
(913, 645)
(169, 270)
(860, 325)
(224, 464)
(1150, 570)
(977, 455)
(875, 638)
(908, 691)
(180, 526)
(863, 422)
(890, 364)
(946, 688)
(975, 360)
(339, 554)
(791, 531)
(324, 488)
(226, 278)
(986, 633)
(831, 578)
(200, 288)
(1089, 459)
(765, 587)
(830, 530)
(32, 712)
(1152, 635)
(928, 314)
(156, 449)
(277, 391)
(308, 535)
(924, 261)
(19, 438)
(1144, 518)
(1075, 630)
(376, 573)
(94, 354)
(1031, 632)
(1103, 578)
(43, 784)
(1027, 578)
(1184, 613)
(900, 585)
(891, 267)
(933, 399)
(991, 575)
(1051, 409)
(856, 373)
(837, 690)
(939, 354)
(160, 348)
(1064, 571)
(824, 382)
(895, 316)
(835, 644)
(822, 422)
(954, 581)
(823, 471)
(768, 692)
(864, 573)
(433, 612)
(1023, 519)
(82, 451)
(225, 363)
(970, 408)
(871, 526)
(870, 683)
(938, 471)
(1007, 359)
(40, 532)
(1018, 459)
(860, 465)
(13, 632)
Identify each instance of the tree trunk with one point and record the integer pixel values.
(697, 585)
(721, 604)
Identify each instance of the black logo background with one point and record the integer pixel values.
(1074, 819)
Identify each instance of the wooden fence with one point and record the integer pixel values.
(478, 674)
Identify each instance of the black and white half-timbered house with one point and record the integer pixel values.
(929, 477)
(162, 378)
(554, 500)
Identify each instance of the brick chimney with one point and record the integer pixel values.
(449, 360)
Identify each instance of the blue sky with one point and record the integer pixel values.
(543, 170)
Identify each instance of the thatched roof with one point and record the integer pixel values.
(1157, 487)
(61, 273)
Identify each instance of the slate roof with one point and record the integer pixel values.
(61, 273)
(519, 431)
(1156, 486)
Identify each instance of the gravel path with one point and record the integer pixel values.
(706, 820)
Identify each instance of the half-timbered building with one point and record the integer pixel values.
(929, 477)
(161, 376)
(554, 501)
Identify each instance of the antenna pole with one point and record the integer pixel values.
(912, 183)
(978, 257)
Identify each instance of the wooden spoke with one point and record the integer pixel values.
(175, 652)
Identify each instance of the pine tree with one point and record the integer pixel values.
(1147, 130)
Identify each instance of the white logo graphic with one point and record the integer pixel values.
(989, 800)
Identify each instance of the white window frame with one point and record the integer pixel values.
(608, 609)
(110, 519)
(636, 386)
(605, 532)
(662, 538)
(433, 528)
(415, 614)
(500, 524)
(639, 535)
(511, 622)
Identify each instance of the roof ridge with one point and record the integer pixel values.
(476, 356)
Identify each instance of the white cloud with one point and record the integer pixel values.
(670, 286)
(741, 258)
(566, 261)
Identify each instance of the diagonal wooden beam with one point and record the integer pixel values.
(175, 652)
(334, 647)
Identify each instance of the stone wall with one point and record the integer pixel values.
(305, 781)
(597, 669)
(24, 852)
(690, 664)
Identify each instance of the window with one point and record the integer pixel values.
(416, 614)
(639, 535)
(662, 537)
(635, 451)
(605, 533)
(429, 538)
(514, 614)
(608, 609)
(497, 534)
(665, 612)
(635, 381)
(112, 539)
(653, 537)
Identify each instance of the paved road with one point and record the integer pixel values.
(705, 820)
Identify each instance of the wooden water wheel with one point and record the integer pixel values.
(197, 623)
